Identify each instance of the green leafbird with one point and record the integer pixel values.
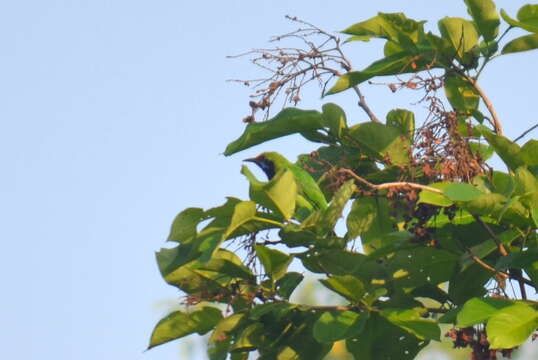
(272, 162)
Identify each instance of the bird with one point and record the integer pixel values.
(272, 162)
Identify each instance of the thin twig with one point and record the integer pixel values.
(389, 185)
(494, 117)
(364, 106)
(500, 246)
(525, 133)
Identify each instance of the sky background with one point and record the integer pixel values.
(113, 118)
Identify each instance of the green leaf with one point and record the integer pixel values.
(274, 262)
(485, 16)
(333, 326)
(529, 153)
(527, 20)
(243, 212)
(461, 94)
(410, 320)
(227, 263)
(461, 192)
(184, 225)
(434, 198)
(383, 141)
(361, 217)
(511, 326)
(468, 283)
(250, 338)
(287, 284)
(523, 43)
(381, 339)
(331, 215)
(288, 121)
(389, 26)
(179, 324)
(482, 150)
(462, 36)
(347, 285)
(506, 149)
(391, 65)
(403, 120)
(335, 119)
(479, 310)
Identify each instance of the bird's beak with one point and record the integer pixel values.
(254, 160)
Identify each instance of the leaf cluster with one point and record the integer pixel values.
(425, 243)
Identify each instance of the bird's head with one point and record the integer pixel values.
(265, 163)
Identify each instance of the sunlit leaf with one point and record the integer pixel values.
(485, 16)
(274, 262)
(462, 36)
(523, 43)
(288, 121)
(412, 321)
(347, 285)
(479, 310)
(338, 325)
(511, 326)
(179, 324)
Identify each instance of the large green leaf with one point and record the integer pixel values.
(184, 225)
(434, 198)
(411, 268)
(527, 17)
(461, 192)
(391, 65)
(461, 94)
(388, 26)
(287, 284)
(335, 119)
(511, 326)
(523, 43)
(274, 262)
(346, 285)
(361, 217)
(179, 324)
(506, 149)
(333, 326)
(411, 320)
(403, 120)
(383, 141)
(468, 283)
(462, 36)
(485, 17)
(381, 339)
(243, 212)
(288, 121)
(479, 310)
(529, 153)
(334, 212)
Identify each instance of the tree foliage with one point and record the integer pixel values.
(433, 236)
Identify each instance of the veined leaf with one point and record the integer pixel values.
(274, 262)
(462, 36)
(348, 286)
(523, 43)
(288, 121)
(511, 326)
(412, 321)
(485, 16)
(461, 94)
(479, 310)
(179, 324)
(526, 18)
(333, 326)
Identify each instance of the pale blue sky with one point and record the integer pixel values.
(114, 115)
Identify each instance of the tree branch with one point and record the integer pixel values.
(525, 133)
(389, 185)
(495, 118)
(364, 106)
